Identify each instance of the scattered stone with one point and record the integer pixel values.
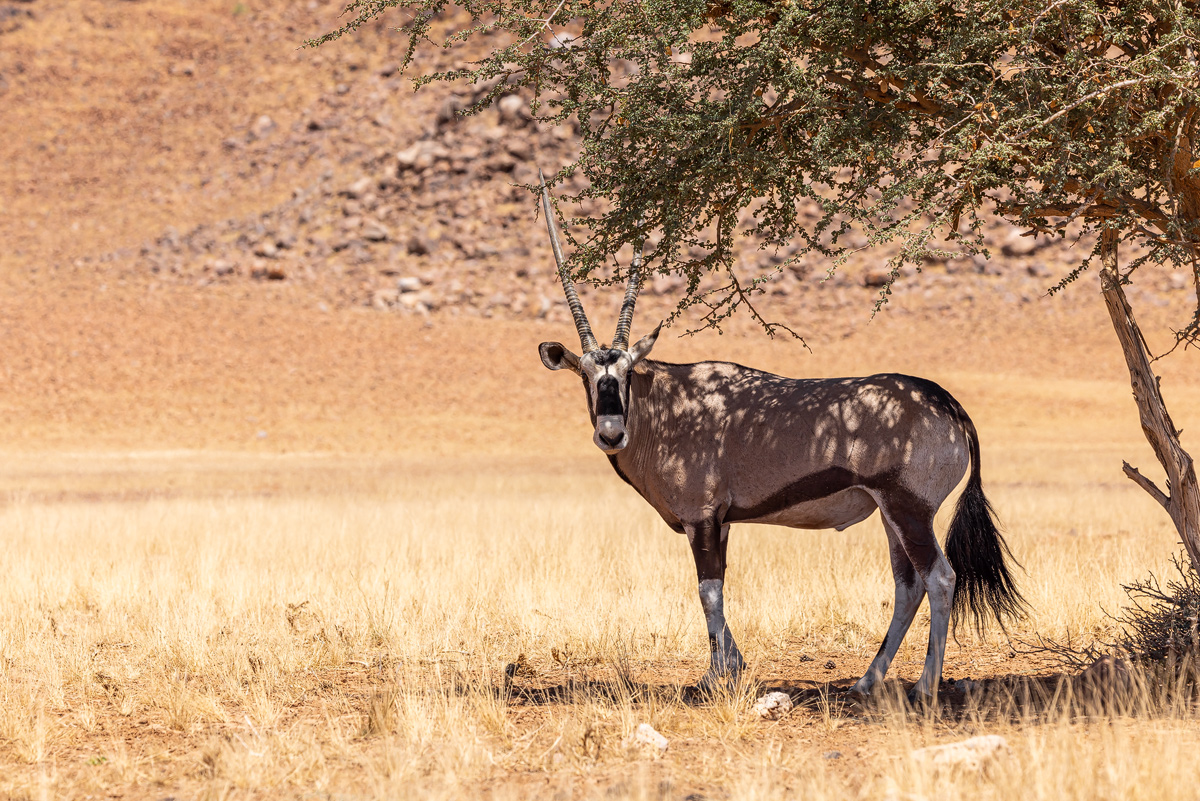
(520, 149)
(182, 68)
(359, 188)
(426, 299)
(418, 246)
(375, 232)
(267, 249)
(972, 754)
(968, 686)
(667, 284)
(513, 109)
(877, 278)
(384, 299)
(268, 273)
(831, 755)
(420, 156)
(647, 736)
(262, 127)
(363, 229)
(773, 706)
(412, 301)
(1107, 679)
(407, 159)
(450, 108)
(1017, 244)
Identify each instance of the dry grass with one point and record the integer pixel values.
(203, 596)
(315, 638)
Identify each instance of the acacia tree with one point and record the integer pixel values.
(708, 119)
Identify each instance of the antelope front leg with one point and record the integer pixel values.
(709, 543)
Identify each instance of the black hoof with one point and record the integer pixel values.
(920, 700)
(696, 694)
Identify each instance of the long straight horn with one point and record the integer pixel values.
(621, 338)
(586, 338)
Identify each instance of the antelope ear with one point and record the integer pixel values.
(641, 348)
(557, 357)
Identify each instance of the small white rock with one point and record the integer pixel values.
(360, 187)
(262, 127)
(646, 735)
(409, 283)
(512, 108)
(407, 158)
(970, 754)
(375, 232)
(773, 706)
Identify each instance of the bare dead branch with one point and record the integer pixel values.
(1149, 486)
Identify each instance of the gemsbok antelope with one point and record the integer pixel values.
(714, 443)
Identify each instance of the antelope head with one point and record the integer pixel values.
(605, 370)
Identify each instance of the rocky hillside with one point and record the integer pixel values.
(346, 185)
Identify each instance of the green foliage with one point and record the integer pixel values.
(710, 119)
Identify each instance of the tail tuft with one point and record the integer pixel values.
(976, 550)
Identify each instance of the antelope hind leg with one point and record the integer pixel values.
(910, 591)
(913, 523)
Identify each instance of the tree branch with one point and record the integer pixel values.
(1149, 486)
(1103, 91)
(1183, 504)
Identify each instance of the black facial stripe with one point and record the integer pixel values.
(608, 397)
(587, 391)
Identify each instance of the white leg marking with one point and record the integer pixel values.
(726, 658)
(940, 585)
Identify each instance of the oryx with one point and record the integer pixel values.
(714, 443)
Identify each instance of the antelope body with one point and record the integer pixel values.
(714, 443)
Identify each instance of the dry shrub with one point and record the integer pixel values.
(1161, 625)
(1153, 653)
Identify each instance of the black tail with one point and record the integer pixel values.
(977, 552)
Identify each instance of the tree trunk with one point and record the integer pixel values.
(1182, 499)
